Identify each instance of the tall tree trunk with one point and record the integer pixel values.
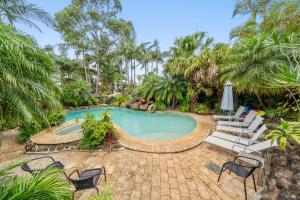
(96, 87)
(131, 70)
(83, 65)
(134, 72)
(156, 68)
(145, 66)
(127, 71)
(258, 96)
(174, 102)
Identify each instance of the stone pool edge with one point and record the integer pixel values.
(205, 125)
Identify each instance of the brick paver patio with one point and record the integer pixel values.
(139, 175)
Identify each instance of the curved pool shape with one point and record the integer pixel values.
(71, 129)
(159, 126)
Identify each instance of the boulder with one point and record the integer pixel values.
(135, 106)
(151, 108)
(144, 106)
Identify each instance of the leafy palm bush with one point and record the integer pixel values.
(120, 100)
(27, 129)
(77, 93)
(202, 109)
(26, 76)
(160, 106)
(184, 106)
(48, 184)
(285, 132)
(95, 131)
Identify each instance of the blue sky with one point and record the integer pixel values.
(158, 19)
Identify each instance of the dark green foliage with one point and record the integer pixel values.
(160, 106)
(27, 129)
(26, 72)
(121, 100)
(202, 109)
(95, 131)
(56, 118)
(184, 106)
(77, 93)
(48, 184)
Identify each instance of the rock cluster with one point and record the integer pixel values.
(283, 181)
(141, 104)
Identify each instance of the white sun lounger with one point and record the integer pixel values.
(236, 116)
(238, 147)
(243, 131)
(247, 121)
(241, 140)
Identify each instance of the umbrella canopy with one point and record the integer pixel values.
(227, 99)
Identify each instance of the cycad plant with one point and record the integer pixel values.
(47, 184)
(285, 132)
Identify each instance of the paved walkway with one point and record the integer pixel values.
(139, 175)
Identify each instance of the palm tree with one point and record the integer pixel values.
(19, 11)
(168, 89)
(46, 184)
(185, 61)
(145, 55)
(26, 75)
(252, 65)
(157, 55)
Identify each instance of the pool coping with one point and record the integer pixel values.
(48, 136)
(205, 125)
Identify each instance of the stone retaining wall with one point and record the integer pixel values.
(33, 147)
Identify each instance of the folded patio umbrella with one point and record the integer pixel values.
(227, 99)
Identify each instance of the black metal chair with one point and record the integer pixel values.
(54, 164)
(87, 179)
(242, 170)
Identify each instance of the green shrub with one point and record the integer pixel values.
(160, 106)
(273, 113)
(120, 100)
(202, 109)
(77, 93)
(26, 130)
(95, 131)
(45, 184)
(184, 106)
(284, 133)
(56, 118)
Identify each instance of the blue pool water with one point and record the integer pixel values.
(143, 125)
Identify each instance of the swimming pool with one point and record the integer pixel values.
(160, 126)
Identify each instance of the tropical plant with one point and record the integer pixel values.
(45, 184)
(120, 100)
(167, 89)
(105, 194)
(27, 129)
(202, 109)
(160, 106)
(77, 93)
(285, 132)
(95, 131)
(26, 76)
(184, 106)
(19, 11)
